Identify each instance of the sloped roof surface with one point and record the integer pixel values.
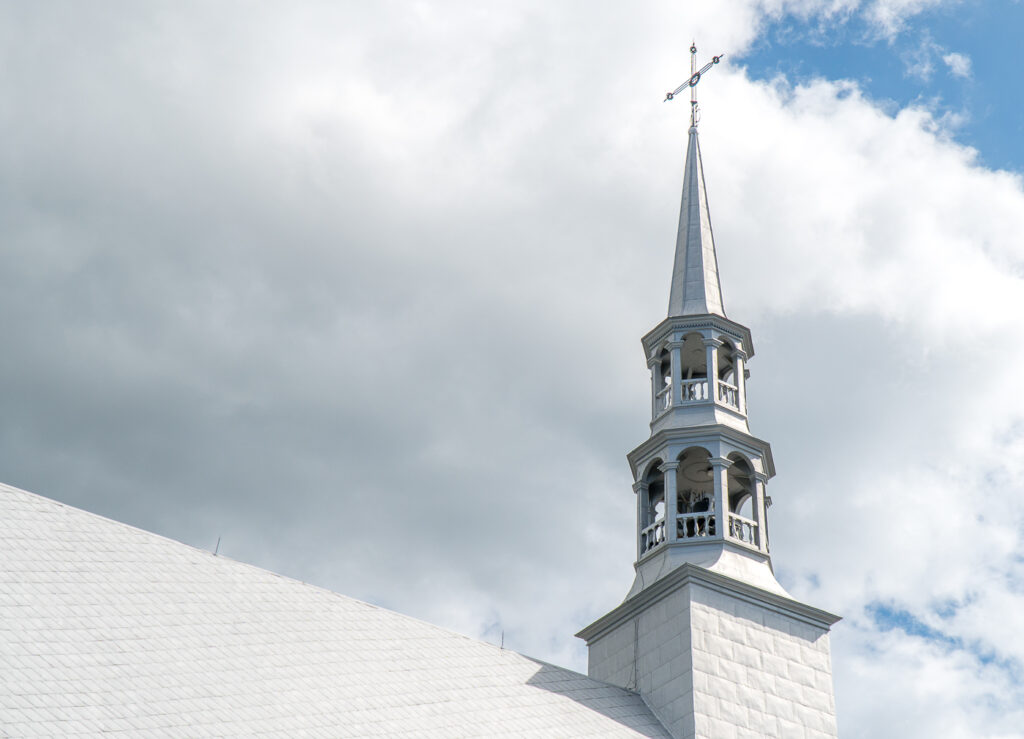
(106, 629)
(696, 288)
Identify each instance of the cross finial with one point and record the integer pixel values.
(695, 75)
(693, 86)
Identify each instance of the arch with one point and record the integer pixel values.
(741, 485)
(652, 507)
(663, 357)
(661, 380)
(693, 357)
(695, 485)
(657, 461)
(727, 360)
(695, 494)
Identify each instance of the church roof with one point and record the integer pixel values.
(105, 628)
(696, 289)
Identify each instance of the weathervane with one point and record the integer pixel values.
(695, 76)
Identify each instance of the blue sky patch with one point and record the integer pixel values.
(962, 62)
(889, 617)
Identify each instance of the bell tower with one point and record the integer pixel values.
(700, 478)
(706, 634)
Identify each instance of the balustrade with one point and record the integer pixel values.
(743, 529)
(691, 390)
(694, 525)
(663, 400)
(690, 526)
(652, 536)
(729, 394)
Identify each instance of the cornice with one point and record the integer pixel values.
(665, 435)
(700, 321)
(690, 574)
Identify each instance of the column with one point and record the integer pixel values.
(643, 507)
(761, 510)
(671, 501)
(719, 473)
(677, 372)
(739, 361)
(711, 346)
(656, 385)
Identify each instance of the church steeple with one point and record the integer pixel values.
(700, 478)
(695, 285)
(706, 634)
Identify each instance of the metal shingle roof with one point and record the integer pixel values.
(107, 629)
(696, 288)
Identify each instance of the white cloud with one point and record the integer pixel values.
(363, 292)
(959, 64)
(891, 16)
(920, 61)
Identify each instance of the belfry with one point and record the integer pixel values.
(707, 635)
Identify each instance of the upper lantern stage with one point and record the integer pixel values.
(696, 289)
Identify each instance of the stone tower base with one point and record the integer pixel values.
(716, 658)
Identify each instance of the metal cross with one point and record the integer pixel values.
(695, 75)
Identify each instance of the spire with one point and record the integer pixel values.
(696, 289)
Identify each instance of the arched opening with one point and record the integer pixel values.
(741, 496)
(693, 368)
(741, 485)
(655, 494)
(726, 362)
(728, 387)
(652, 508)
(695, 498)
(693, 358)
(663, 381)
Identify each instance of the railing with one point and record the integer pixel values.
(695, 525)
(652, 536)
(690, 390)
(743, 529)
(729, 394)
(663, 400)
(690, 526)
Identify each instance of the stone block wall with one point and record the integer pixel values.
(651, 655)
(758, 672)
(716, 665)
